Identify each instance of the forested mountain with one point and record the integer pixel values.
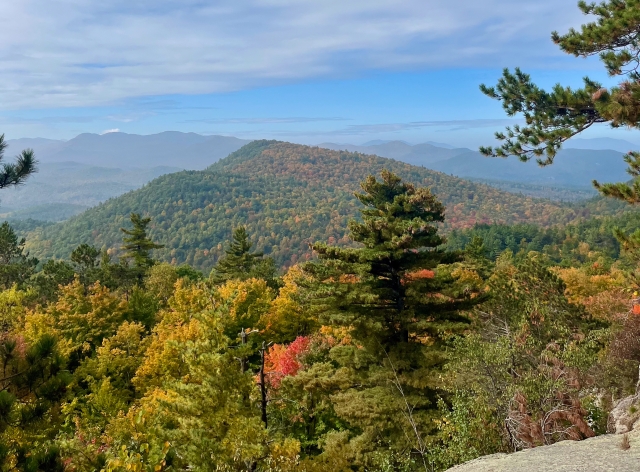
(89, 169)
(287, 195)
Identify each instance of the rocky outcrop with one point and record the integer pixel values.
(625, 415)
(599, 454)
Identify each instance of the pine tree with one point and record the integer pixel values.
(15, 264)
(387, 290)
(17, 173)
(397, 296)
(138, 245)
(554, 117)
(240, 263)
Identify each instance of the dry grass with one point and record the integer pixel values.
(624, 443)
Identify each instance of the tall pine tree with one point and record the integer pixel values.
(397, 295)
(15, 264)
(388, 290)
(138, 245)
(239, 263)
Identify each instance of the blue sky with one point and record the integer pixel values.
(298, 70)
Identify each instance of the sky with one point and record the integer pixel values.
(305, 71)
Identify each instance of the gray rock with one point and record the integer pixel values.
(625, 415)
(599, 454)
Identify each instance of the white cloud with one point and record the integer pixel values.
(107, 131)
(388, 129)
(268, 120)
(84, 53)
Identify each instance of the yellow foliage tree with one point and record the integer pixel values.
(245, 303)
(81, 317)
(163, 358)
(288, 317)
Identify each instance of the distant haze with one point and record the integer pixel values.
(599, 158)
(620, 145)
(182, 150)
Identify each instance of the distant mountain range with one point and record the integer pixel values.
(189, 151)
(423, 154)
(63, 189)
(612, 144)
(575, 168)
(92, 168)
(571, 168)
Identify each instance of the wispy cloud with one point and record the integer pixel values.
(272, 120)
(380, 128)
(51, 119)
(87, 53)
(107, 131)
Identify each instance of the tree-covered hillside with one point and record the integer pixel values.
(287, 195)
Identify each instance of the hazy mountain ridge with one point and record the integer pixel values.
(171, 148)
(91, 168)
(571, 168)
(61, 190)
(420, 154)
(620, 145)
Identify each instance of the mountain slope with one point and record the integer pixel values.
(288, 195)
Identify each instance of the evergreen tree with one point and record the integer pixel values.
(138, 245)
(387, 290)
(15, 265)
(17, 173)
(398, 297)
(554, 117)
(239, 263)
(85, 257)
(33, 384)
(86, 263)
(47, 282)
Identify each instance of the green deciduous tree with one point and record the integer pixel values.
(520, 377)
